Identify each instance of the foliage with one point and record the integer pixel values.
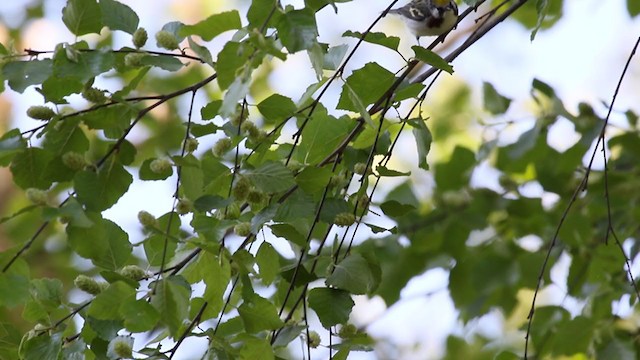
(253, 169)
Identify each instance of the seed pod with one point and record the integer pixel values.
(139, 38)
(184, 206)
(344, 219)
(120, 347)
(87, 284)
(40, 112)
(146, 219)
(133, 59)
(242, 229)
(166, 40)
(160, 166)
(221, 147)
(74, 161)
(37, 196)
(133, 272)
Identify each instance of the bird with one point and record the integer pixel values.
(428, 17)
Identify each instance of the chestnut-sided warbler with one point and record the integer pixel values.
(428, 17)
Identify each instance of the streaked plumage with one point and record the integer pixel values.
(429, 17)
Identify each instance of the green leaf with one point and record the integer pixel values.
(332, 207)
(154, 249)
(75, 213)
(332, 306)
(542, 9)
(106, 305)
(210, 202)
(14, 289)
(312, 180)
(118, 16)
(253, 348)
(354, 275)
(47, 292)
(210, 110)
(359, 105)
(271, 177)
(56, 88)
(199, 130)
(100, 191)
(22, 74)
(213, 25)
(104, 329)
(377, 38)
(82, 17)
(493, 101)
(138, 315)
(66, 136)
(11, 143)
(321, 136)
(171, 300)
(617, 349)
(261, 14)
(40, 347)
(429, 57)
(28, 168)
(384, 171)
(334, 56)
(506, 355)
(297, 30)
(237, 91)
(113, 119)
(168, 63)
(287, 334)
(395, 209)
(191, 184)
(268, 261)
(456, 171)
(200, 51)
(210, 228)
(277, 108)
(232, 58)
(154, 245)
(546, 320)
(579, 330)
(633, 7)
(297, 210)
(259, 314)
(216, 273)
(368, 83)
(104, 243)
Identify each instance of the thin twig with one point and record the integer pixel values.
(581, 187)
